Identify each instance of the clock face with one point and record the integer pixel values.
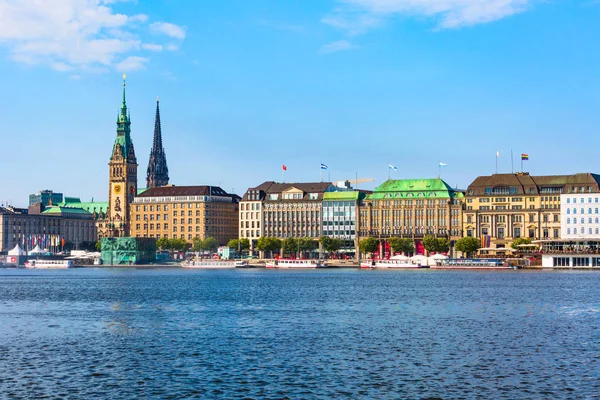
(118, 189)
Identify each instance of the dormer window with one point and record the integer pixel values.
(313, 196)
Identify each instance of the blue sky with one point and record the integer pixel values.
(247, 86)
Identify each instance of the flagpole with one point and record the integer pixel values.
(521, 162)
(496, 161)
(439, 171)
(512, 168)
(320, 174)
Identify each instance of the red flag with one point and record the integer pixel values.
(283, 167)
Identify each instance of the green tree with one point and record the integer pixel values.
(430, 243)
(330, 245)
(99, 245)
(515, 244)
(239, 244)
(467, 245)
(178, 244)
(269, 244)
(162, 243)
(210, 244)
(308, 244)
(401, 245)
(368, 245)
(197, 244)
(443, 245)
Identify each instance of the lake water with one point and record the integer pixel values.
(124, 333)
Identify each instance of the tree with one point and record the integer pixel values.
(429, 243)
(178, 244)
(239, 244)
(197, 244)
(443, 245)
(401, 245)
(467, 245)
(436, 245)
(162, 243)
(210, 244)
(270, 244)
(330, 245)
(368, 245)
(515, 244)
(99, 245)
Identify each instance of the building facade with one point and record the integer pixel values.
(341, 217)
(282, 210)
(46, 228)
(157, 173)
(413, 208)
(122, 186)
(185, 212)
(504, 207)
(579, 216)
(45, 198)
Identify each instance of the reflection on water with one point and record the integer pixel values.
(299, 334)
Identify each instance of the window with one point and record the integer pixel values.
(568, 220)
(568, 231)
(500, 233)
(531, 233)
(556, 233)
(574, 211)
(575, 231)
(568, 200)
(517, 232)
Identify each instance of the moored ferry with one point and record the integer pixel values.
(210, 264)
(49, 264)
(471, 263)
(289, 263)
(388, 263)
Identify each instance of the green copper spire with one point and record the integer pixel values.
(123, 114)
(123, 144)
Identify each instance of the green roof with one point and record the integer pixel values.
(414, 188)
(344, 195)
(99, 207)
(60, 210)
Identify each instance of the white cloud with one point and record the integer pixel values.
(172, 30)
(339, 45)
(131, 63)
(172, 47)
(71, 35)
(357, 16)
(152, 47)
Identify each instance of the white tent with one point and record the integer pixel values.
(399, 257)
(433, 259)
(419, 259)
(17, 251)
(37, 250)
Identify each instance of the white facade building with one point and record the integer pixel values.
(580, 216)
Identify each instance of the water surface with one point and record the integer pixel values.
(123, 333)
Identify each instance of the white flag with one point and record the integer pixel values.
(497, 153)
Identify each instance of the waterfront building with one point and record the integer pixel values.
(579, 216)
(122, 178)
(340, 218)
(157, 173)
(282, 210)
(504, 207)
(185, 212)
(413, 208)
(45, 197)
(45, 227)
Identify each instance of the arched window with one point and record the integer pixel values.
(568, 231)
(589, 210)
(582, 220)
(575, 231)
(568, 220)
(590, 231)
(568, 211)
(574, 211)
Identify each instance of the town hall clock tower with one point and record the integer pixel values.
(122, 186)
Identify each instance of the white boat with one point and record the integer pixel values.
(471, 263)
(210, 264)
(388, 263)
(241, 264)
(49, 264)
(289, 263)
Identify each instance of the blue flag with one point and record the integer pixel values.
(390, 166)
(323, 166)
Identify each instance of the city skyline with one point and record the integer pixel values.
(356, 85)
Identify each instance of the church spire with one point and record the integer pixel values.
(158, 172)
